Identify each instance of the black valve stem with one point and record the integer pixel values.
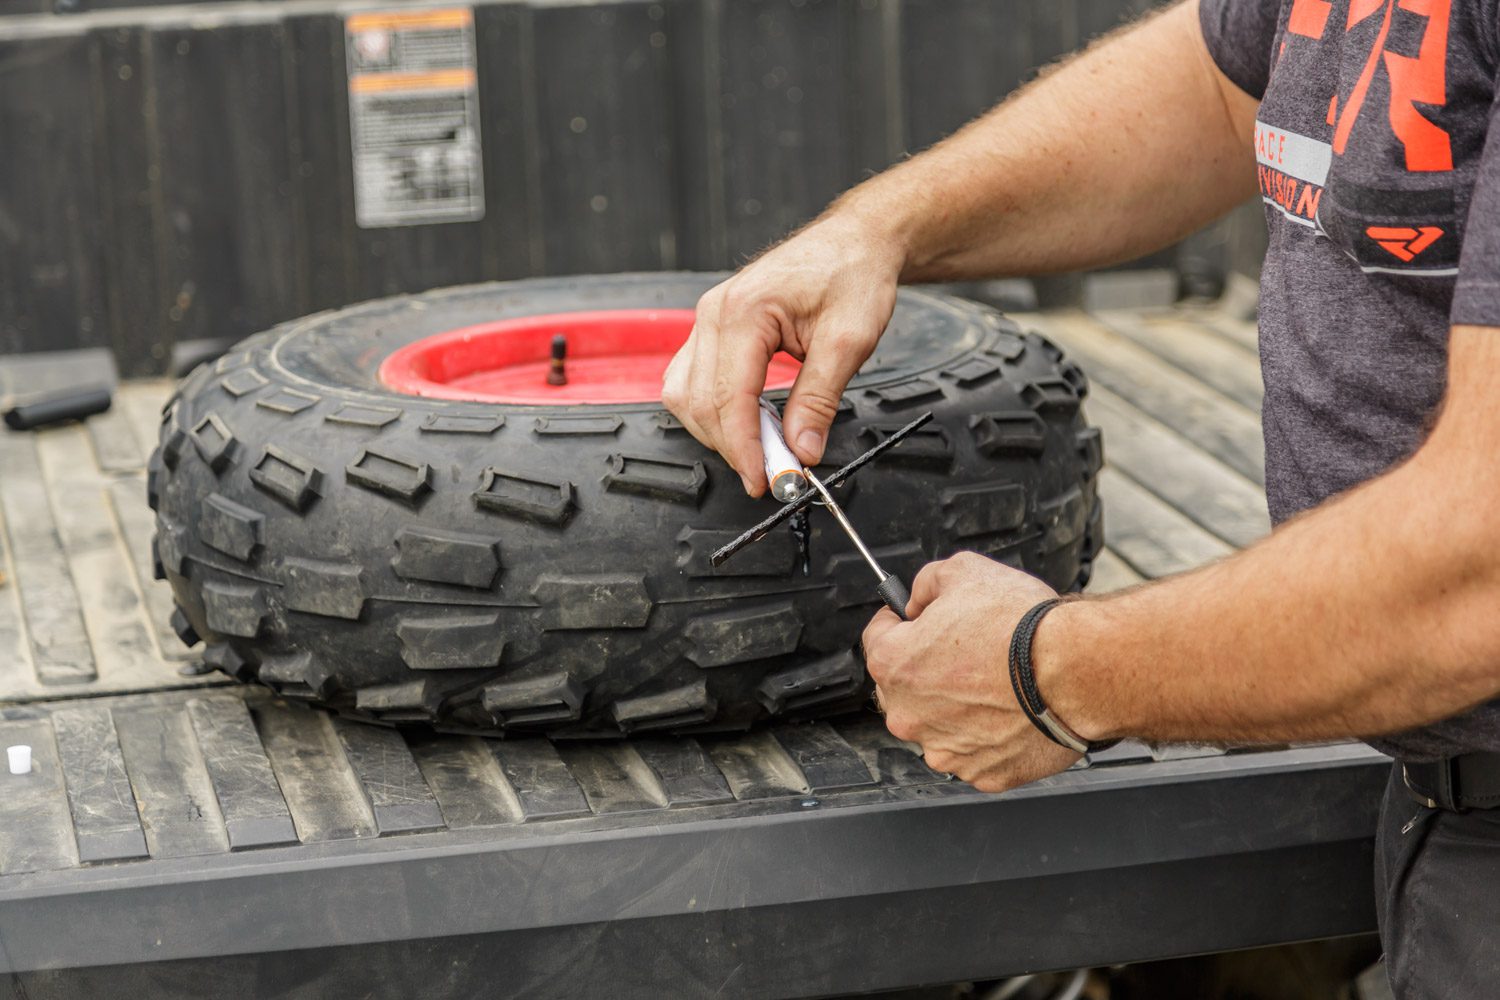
(557, 374)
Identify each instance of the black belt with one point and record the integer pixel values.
(1469, 781)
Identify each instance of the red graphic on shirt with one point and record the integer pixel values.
(1309, 17)
(1296, 198)
(1422, 80)
(1403, 242)
(1419, 79)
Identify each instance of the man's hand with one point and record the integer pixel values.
(1026, 189)
(943, 677)
(825, 297)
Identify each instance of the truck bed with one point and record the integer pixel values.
(183, 836)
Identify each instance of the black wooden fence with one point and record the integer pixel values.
(172, 173)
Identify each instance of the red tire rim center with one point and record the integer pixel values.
(614, 356)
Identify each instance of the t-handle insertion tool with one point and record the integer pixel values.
(891, 590)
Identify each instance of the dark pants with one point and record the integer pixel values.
(1437, 889)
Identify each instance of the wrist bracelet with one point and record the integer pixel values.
(1023, 680)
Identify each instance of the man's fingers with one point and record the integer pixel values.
(743, 359)
(701, 378)
(833, 357)
(874, 636)
(676, 385)
(740, 426)
(926, 587)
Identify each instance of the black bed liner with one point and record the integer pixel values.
(826, 855)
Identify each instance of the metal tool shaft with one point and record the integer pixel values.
(891, 590)
(843, 520)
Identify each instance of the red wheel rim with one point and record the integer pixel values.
(614, 356)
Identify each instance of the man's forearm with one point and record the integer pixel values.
(1124, 149)
(1375, 613)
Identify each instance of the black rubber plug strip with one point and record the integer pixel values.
(56, 407)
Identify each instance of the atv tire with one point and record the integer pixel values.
(520, 569)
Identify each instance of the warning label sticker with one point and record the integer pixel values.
(414, 117)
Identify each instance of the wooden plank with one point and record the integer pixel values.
(106, 825)
(60, 652)
(320, 788)
(699, 108)
(390, 778)
(111, 606)
(1243, 332)
(1189, 478)
(239, 183)
(465, 779)
(16, 668)
(607, 202)
(36, 831)
(1192, 347)
(114, 443)
(130, 182)
(51, 287)
(959, 57)
(137, 525)
(1110, 571)
(179, 811)
(324, 195)
(141, 402)
(1148, 534)
(786, 151)
(255, 814)
(1209, 419)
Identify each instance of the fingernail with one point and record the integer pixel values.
(749, 487)
(811, 443)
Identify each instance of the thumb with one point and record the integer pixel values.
(832, 359)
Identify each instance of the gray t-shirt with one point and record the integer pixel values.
(1381, 177)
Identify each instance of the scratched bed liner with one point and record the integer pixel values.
(188, 773)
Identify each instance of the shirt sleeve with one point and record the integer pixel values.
(1476, 293)
(1240, 36)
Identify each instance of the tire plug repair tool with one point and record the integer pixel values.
(800, 504)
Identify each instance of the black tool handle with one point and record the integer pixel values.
(67, 404)
(893, 592)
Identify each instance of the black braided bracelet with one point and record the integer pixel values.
(1023, 680)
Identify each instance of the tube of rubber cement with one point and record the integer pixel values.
(783, 471)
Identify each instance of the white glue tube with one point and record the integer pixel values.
(783, 471)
